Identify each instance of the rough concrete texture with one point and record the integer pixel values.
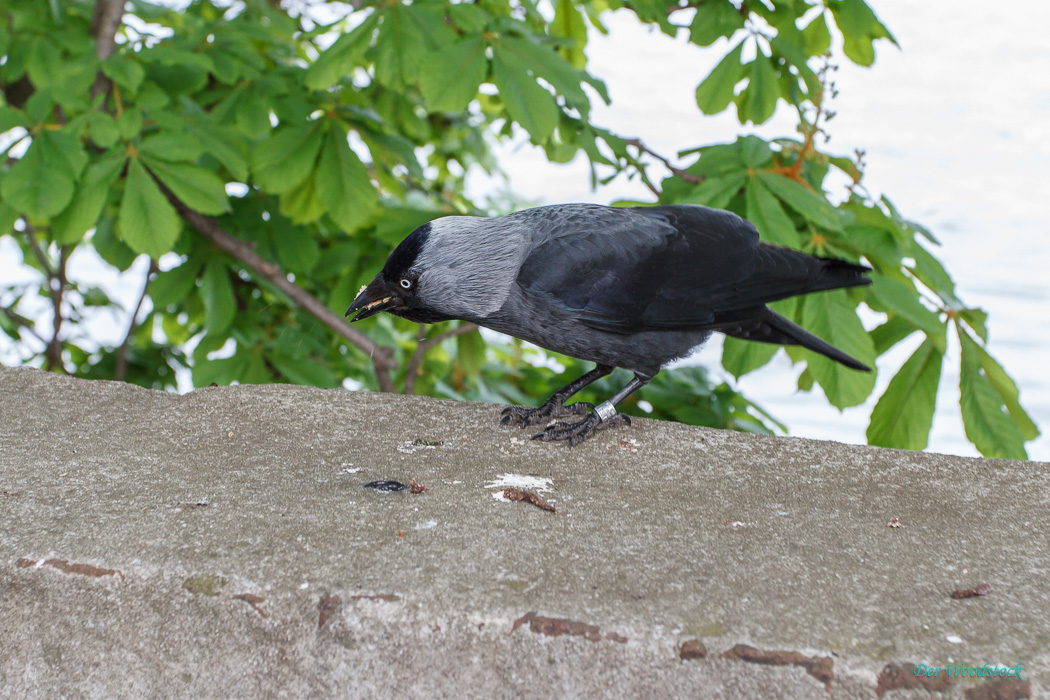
(161, 545)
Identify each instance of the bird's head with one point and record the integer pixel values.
(399, 288)
(456, 267)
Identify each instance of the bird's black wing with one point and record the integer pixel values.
(667, 267)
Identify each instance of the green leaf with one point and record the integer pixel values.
(125, 72)
(765, 212)
(715, 191)
(173, 146)
(256, 372)
(343, 184)
(796, 57)
(252, 114)
(45, 64)
(860, 27)
(526, 102)
(174, 285)
(301, 204)
(470, 353)
(397, 222)
(977, 320)
(469, 18)
(216, 292)
(102, 129)
(899, 297)
(904, 415)
(987, 425)
(39, 184)
(569, 24)
(339, 59)
(714, 20)
(11, 117)
(831, 316)
(398, 45)
(109, 247)
(817, 36)
(1007, 391)
(64, 148)
(551, 66)
(756, 151)
(286, 159)
(742, 356)
(222, 371)
(762, 91)
(147, 221)
(453, 75)
(226, 144)
(130, 123)
(179, 70)
(344, 292)
(295, 248)
(718, 89)
(91, 196)
(305, 371)
(931, 273)
(890, 333)
(198, 188)
(805, 201)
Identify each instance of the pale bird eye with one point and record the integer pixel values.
(406, 284)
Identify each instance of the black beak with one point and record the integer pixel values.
(372, 299)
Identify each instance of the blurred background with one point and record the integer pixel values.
(954, 126)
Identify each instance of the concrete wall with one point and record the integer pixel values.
(223, 543)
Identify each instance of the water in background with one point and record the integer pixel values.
(956, 127)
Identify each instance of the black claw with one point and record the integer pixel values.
(525, 417)
(575, 433)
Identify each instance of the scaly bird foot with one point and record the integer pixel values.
(576, 433)
(526, 416)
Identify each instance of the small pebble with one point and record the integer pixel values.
(387, 486)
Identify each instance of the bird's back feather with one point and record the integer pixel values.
(680, 267)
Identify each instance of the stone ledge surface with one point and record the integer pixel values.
(165, 545)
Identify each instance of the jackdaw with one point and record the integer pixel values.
(633, 287)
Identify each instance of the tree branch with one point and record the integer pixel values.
(245, 252)
(122, 352)
(678, 172)
(104, 25)
(424, 347)
(56, 287)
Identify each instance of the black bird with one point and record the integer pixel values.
(629, 287)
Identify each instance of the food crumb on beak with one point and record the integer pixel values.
(376, 303)
(362, 289)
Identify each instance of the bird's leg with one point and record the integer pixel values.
(603, 416)
(555, 407)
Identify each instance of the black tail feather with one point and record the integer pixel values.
(774, 328)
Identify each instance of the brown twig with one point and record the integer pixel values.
(22, 322)
(122, 351)
(678, 172)
(424, 346)
(245, 252)
(794, 171)
(56, 287)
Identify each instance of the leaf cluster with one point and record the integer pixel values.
(266, 160)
